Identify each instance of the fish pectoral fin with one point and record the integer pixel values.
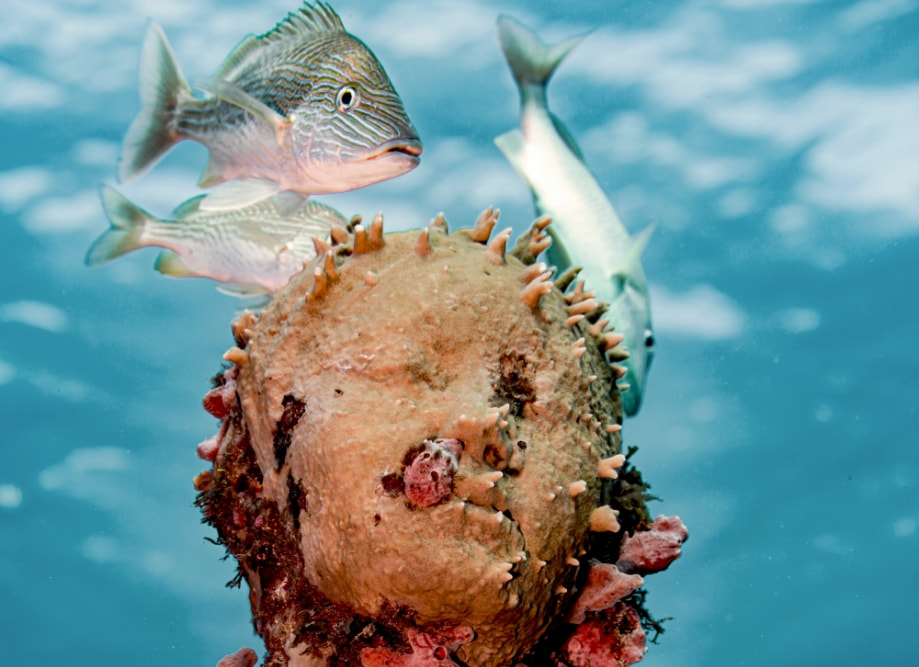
(239, 193)
(230, 92)
(511, 144)
(170, 264)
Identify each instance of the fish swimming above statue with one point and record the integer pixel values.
(251, 250)
(586, 230)
(306, 107)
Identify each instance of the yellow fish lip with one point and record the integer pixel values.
(404, 148)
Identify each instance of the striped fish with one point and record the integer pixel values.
(585, 229)
(250, 250)
(306, 107)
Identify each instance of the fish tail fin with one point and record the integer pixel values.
(126, 231)
(162, 90)
(532, 62)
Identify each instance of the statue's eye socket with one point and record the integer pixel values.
(649, 339)
(347, 98)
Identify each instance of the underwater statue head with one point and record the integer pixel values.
(420, 450)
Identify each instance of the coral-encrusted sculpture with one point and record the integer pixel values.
(419, 460)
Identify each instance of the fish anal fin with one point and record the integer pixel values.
(241, 289)
(239, 193)
(288, 203)
(213, 173)
(188, 207)
(170, 264)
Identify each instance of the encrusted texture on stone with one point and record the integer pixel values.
(417, 456)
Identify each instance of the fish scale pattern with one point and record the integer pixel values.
(419, 457)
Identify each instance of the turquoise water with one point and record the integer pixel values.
(774, 142)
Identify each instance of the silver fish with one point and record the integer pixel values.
(250, 250)
(585, 228)
(305, 107)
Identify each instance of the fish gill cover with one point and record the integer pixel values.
(420, 457)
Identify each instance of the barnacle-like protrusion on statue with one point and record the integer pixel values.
(567, 277)
(243, 328)
(320, 286)
(538, 284)
(320, 246)
(481, 232)
(530, 245)
(494, 253)
(609, 467)
(413, 452)
(604, 519)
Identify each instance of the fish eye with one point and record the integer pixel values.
(347, 98)
(649, 339)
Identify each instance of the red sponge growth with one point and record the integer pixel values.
(429, 470)
(244, 657)
(653, 550)
(614, 638)
(427, 650)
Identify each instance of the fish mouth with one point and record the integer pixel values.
(410, 148)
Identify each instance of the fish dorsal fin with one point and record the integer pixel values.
(188, 207)
(308, 21)
(170, 264)
(302, 25)
(237, 58)
(238, 193)
(230, 92)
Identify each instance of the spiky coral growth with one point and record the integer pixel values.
(414, 463)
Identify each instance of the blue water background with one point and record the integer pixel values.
(775, 143)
